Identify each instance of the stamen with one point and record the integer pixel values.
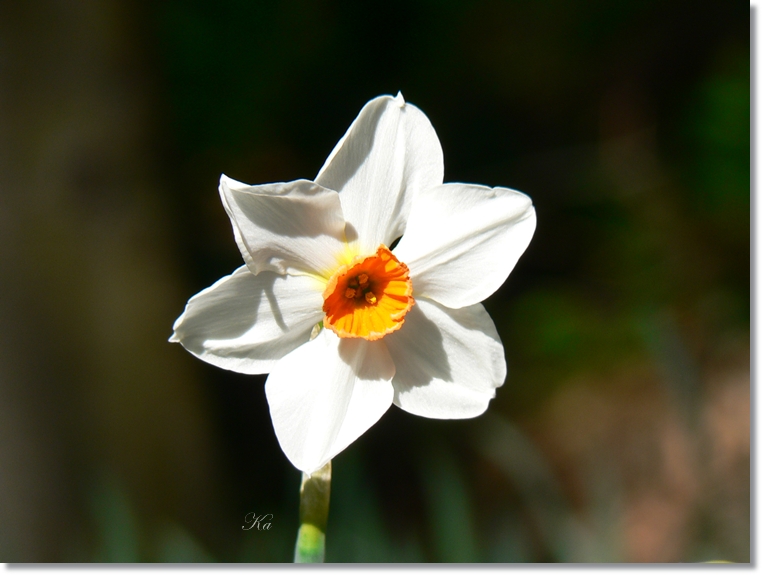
(350, 293)
(363, 279)
(370, 298)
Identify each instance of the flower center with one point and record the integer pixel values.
(369, 297)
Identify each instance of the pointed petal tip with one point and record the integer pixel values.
(400, 100)
(224, 180)
(229, 184)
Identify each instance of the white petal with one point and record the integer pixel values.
(463, 240)
(231, 183)
(449, 361)
(293, 227)
(327, 393)
(389, 153)
(247, 322)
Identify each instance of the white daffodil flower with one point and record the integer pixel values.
(345, 326)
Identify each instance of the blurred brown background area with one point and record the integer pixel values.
(623, 430)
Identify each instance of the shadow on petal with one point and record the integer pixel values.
(350, 232)
(267, 289)
(351, 152)
(418, 351)
(246, 316)
(295, 217)
(369, 360)
(232, 322)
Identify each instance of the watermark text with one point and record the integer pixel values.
(258, 522)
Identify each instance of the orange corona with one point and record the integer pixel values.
(369, 297)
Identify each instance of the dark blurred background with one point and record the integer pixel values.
(623, 430)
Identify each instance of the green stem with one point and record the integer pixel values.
(315, 494)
